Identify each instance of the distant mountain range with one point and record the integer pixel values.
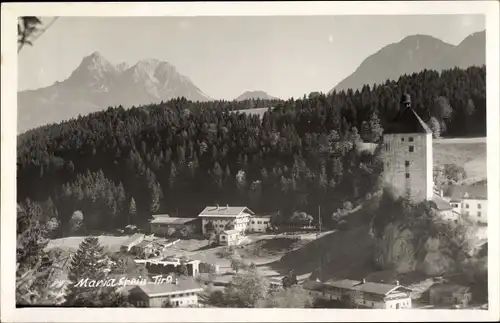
(97, 84)
(249, 95)
(414, 54)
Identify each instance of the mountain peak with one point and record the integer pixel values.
(94, 66)
(413, 54)
(122, 67)
(249, 95)
(97, 84)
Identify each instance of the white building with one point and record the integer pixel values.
(407, 155)
(470, 201)
(225, 218)
(361, 293)
(259, 223)
(182, 292)
(229, 237)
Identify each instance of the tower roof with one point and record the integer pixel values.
(407, 121)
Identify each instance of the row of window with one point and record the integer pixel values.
(410, 139)
(410, 148)
(467, 205)
(260, 222)
(478, 214)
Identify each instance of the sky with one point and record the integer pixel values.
(285, 56)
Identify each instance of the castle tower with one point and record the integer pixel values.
(407, 154)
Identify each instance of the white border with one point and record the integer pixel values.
(8, 148)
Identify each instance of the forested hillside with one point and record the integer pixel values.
(120, 166)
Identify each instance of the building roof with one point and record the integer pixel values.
(266, 216)
(441, 204)
(229, 232)
(476, 192)
(133, 238)
(344, 283)
(377, 288)
(314, 285)
(183, 284)
(168, 220)
(225, 211)
(407, 121)
(161, 215)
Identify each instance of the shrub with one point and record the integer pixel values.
(347, 206)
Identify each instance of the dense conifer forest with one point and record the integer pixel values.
(120, 166)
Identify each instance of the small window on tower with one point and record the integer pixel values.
(407, 175)
(411, 149)
(410, 139)
(407, 163)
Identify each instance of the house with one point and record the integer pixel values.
(131, 242)
(383, 296)
(316, 289)
(148, 248)
(276, 283)
(229, 237)
(144, 249)
(219, 218)
(361, 293)
(216, 280)
(445, 294)
(181, 292)
(259, 223)
(170, 265)
(445, 209)
(470, 201)
(162, 225)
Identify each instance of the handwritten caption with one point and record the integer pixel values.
(120, 282)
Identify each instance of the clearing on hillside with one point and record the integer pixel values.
(469, 153)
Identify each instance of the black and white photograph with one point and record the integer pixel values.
(251, 161)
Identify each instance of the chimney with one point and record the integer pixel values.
(227, 206)
(363, 281)
(397, 282)
(177, 281)
(217, 207)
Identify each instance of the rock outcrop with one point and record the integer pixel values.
(405, 250)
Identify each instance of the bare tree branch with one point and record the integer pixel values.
(28, 30)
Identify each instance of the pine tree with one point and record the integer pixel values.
(89, 262)
(132, 210)
(155, 198)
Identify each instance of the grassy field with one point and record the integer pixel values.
(341, 255)
(469, 153)
(258, 111)
(111, 243)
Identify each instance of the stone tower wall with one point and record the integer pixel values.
(406, 170)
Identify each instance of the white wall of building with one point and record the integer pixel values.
(259, 224)
(177, 300)
(240, 223)
(475, 209)
(359, 298)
